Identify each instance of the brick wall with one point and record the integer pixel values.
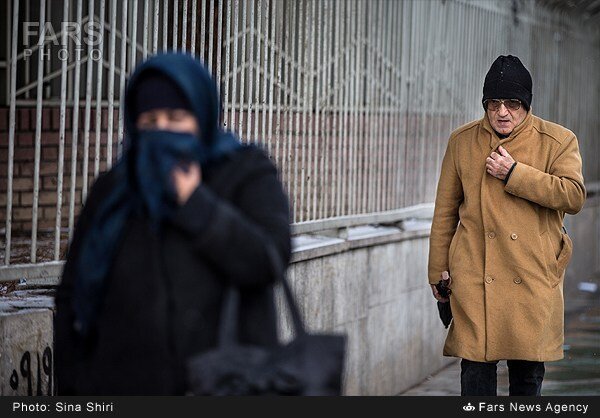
(24, 166)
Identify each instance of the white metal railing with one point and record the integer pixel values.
(354, 100)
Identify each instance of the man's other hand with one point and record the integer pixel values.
(436, 294)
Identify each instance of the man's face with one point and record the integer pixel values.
(504, 120)
(174, 120)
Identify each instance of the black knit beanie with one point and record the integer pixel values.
(508, 79)
(155, 90)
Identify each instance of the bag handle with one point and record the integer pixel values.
(229, 323)
(279, 271)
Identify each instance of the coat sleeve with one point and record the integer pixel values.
(68, 344)
(240, 240)
(560, 189)
(445, 217)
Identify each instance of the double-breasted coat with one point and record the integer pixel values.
(505, 245)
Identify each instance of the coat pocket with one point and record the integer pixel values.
(454, 245)
(564, 257)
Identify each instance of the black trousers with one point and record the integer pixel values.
(480, 379)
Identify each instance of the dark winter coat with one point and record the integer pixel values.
(161, 297)
(164, 293)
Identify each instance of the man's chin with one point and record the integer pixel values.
(504, 131)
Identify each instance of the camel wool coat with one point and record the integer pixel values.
(504, 244)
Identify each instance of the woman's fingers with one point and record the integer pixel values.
(186, 180)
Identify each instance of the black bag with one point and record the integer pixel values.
(311, 364)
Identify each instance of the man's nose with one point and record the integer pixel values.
(502, 110)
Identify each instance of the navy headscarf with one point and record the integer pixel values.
(143, 174)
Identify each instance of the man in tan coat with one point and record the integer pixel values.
(506, 182)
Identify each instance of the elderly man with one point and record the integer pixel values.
(506, 182)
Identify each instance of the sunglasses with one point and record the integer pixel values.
(494, 104)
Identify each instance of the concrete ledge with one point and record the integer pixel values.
(41, 273)
(307, 247)
(27, 299)
(424, 210)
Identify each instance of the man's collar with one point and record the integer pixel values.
(495, 141)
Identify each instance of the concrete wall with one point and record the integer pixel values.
(26, 344)
(378, 295)
(584, 230)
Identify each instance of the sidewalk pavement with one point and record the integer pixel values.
(578, 374)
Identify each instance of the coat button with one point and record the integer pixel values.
(489, 279)
(517, 280)
(492, 235)
(514, 236)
